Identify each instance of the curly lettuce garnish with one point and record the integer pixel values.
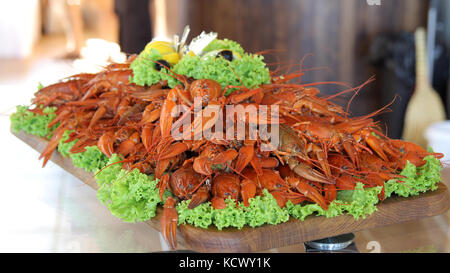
(200, 216)
(418, 179)
(264, 209)
(31, 123)
(233, 215)
(130, 196)
(64, 148)
(106, 176)
(90, 160)
(359, 202)
(250, 68)
(261, 210)
(224, 44)
(144, 72)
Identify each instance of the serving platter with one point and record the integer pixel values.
(391, 211)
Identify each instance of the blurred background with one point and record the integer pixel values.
(348, 41)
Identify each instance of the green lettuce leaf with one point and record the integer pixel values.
(231, 216)
(200, 216)
(359, 202)
(250, 69)
(300, 211)
(90, 160)
(225, 44)
(129, 195)
(418, 179)
(31, 123)
(105, 178)
(133, 196)
(261, 210)
(264, 209)
(64, 148)
(144, 72)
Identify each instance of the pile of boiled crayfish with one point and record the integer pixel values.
(321, 150)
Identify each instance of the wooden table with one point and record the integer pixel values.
(391, 211)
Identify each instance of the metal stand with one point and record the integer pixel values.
(337, 244)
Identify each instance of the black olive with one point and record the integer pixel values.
(160, 64)
(227, 54)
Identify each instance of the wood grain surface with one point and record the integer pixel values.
(391, 211)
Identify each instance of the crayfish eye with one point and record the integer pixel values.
(227, 54)
(160, 64)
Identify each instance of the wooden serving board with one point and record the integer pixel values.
(391, 211)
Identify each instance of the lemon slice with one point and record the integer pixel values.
(172, 58)
(162, 47)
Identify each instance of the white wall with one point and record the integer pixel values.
(19, 27)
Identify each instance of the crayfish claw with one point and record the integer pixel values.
(218, 203)
(248, 190)
(169, 221)
(163, 185)
(201, 196)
